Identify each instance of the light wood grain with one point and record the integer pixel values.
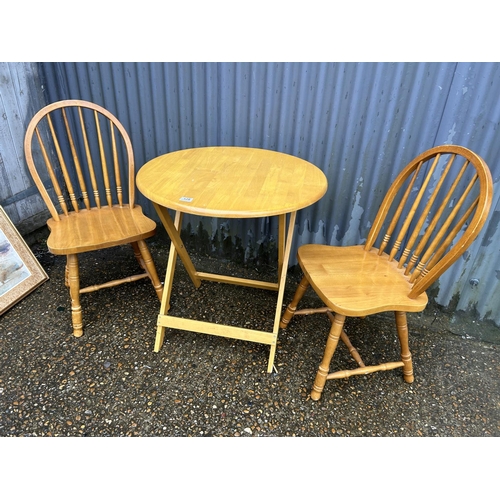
(229, 182)
(428, 218)
(98, 228)
(88, 220)
(355, 282)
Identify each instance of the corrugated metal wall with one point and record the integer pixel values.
(20, 98)
(359, 122)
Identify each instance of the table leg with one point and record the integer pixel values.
(167, 287)
(281, 242)
(282, 272)
(176, 248)
(174, 233)
(172, 257)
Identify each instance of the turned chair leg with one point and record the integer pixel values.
(402, 328)
(292, 307)
(331, 345)
(149, 267)
(138, 255)
(74, 291)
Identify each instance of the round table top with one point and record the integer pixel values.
(231, 182)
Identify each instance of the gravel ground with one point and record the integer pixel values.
(110, 382)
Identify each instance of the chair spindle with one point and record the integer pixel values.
(423, 217)
(64, 168)
(443, 231)
(116, 163)
(104, 164)
(401, 205)
(413, 209)
(76, 161)
(53, 177)
(93, 180)
(437, 217)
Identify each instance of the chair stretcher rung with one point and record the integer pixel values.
(110, 284)
(316, 310)
(238, 281)
(365, 370)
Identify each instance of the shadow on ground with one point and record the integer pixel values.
(110, 382)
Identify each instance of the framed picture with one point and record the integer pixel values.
(20, 271)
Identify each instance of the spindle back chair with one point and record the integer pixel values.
(428, 218)
(82, 162)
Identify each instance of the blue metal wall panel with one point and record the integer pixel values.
(472, 117)
(359, 122)
(20, 98)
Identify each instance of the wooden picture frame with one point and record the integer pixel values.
(20, 271)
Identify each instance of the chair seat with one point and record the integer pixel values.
(94, 229)
(355, 282)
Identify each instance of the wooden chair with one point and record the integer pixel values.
(78, 160)
(431, 214)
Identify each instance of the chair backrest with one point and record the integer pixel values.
(432, 212)
(79, 157)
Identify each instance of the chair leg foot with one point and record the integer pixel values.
(74, 290)
(290, 310)
(402, 329)
(287, 316)
(331, 345)
(319, 384)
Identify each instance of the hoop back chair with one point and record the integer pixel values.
(81, 160)
(432, 212)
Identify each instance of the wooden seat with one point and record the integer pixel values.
(78, 153)
(431, 214)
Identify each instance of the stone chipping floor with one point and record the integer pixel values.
(110, 382)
